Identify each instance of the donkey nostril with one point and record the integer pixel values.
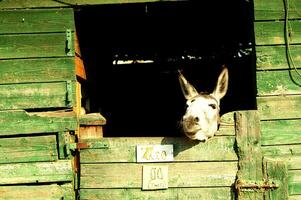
(196, 119)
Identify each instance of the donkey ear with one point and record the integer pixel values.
(188, 90)
(222, 84)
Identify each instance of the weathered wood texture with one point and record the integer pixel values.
(218, 148)
(20, 122)
(36, 172)
(37, 95)
(28, 149)
(37, 70)
(220, 193)
(42, 192)
(129, 175)
(274, 10)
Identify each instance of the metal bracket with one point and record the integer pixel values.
(87, 145)
(68, 48)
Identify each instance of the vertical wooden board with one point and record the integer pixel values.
(280, 132)
(121, 175)
(277, 82)
(124, 149)
(272, 32)
(38, 192)
(220, 193)
(36, 70)
(20, 122)
(34, 45)
(36, 172)
(28, 149)
(277, 107)
(274, 10)
(36, 20)
(294, 184)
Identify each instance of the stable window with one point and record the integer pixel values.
(133, 52)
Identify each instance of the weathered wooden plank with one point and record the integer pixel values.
(129, 175)
(41, 192)
(277, 82)
(274, 57)
(267, 33)
(274, 10)
(294, 197)
(220, 193)
(28, 149)
(294, 186)
(277, 107)
(37, 70)
(21, 122)
(282, 150)
(280, 132)
(11, 4)
(124, 149)
(36, 20)
(248, 144)
(37, 172)
(33, 45)
(293, 161)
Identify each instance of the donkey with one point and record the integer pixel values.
(201, 119)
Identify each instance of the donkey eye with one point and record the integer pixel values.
(213, 106)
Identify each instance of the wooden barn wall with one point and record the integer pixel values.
(37, 88)
(279, 85)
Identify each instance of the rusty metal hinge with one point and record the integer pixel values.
(255, 185)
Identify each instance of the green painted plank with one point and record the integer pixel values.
(39, 172)
(21, 122)
(37, 70)
(9, 4)
(220, 193)
(280, 132)
(268, 33)
(277, 82)
(35, 95)
(279, 107)
(294, 186)
(129, 175)
(124, 149)
(28, 149)
(282, 150)
(274, 10)
(38, 192)
(33, 45)
(293, 161)
(36, 20)
(274, 57)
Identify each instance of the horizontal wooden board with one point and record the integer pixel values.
(37, 70)
(36, 20)
(21, 122)
(220, 193)
(272, 32)
(28, 149)
(33, 45)
(280, 132)
(124, 149)
(36, 172)
(294, 197)
(294, 178)
(121, 175)
(274, 57)
(38, 192)
(274, 10)
(65, 3)
(35, 95)
(279, 107)
(277, 82)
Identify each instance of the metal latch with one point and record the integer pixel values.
(255, 185)
(87, 145)
(68, 48)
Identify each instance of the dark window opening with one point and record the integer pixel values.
(132, 53)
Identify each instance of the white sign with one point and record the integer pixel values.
(154, 153)
(155, 177)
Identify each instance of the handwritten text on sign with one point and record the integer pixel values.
(155, 177)
(154, 153)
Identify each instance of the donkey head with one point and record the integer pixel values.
(201, 118)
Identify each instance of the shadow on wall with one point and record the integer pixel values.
(132, 53)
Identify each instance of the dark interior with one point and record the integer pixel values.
(141, 98)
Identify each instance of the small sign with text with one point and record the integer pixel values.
(154, 153)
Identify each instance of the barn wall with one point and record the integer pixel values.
(279, 85)
(37, 88)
